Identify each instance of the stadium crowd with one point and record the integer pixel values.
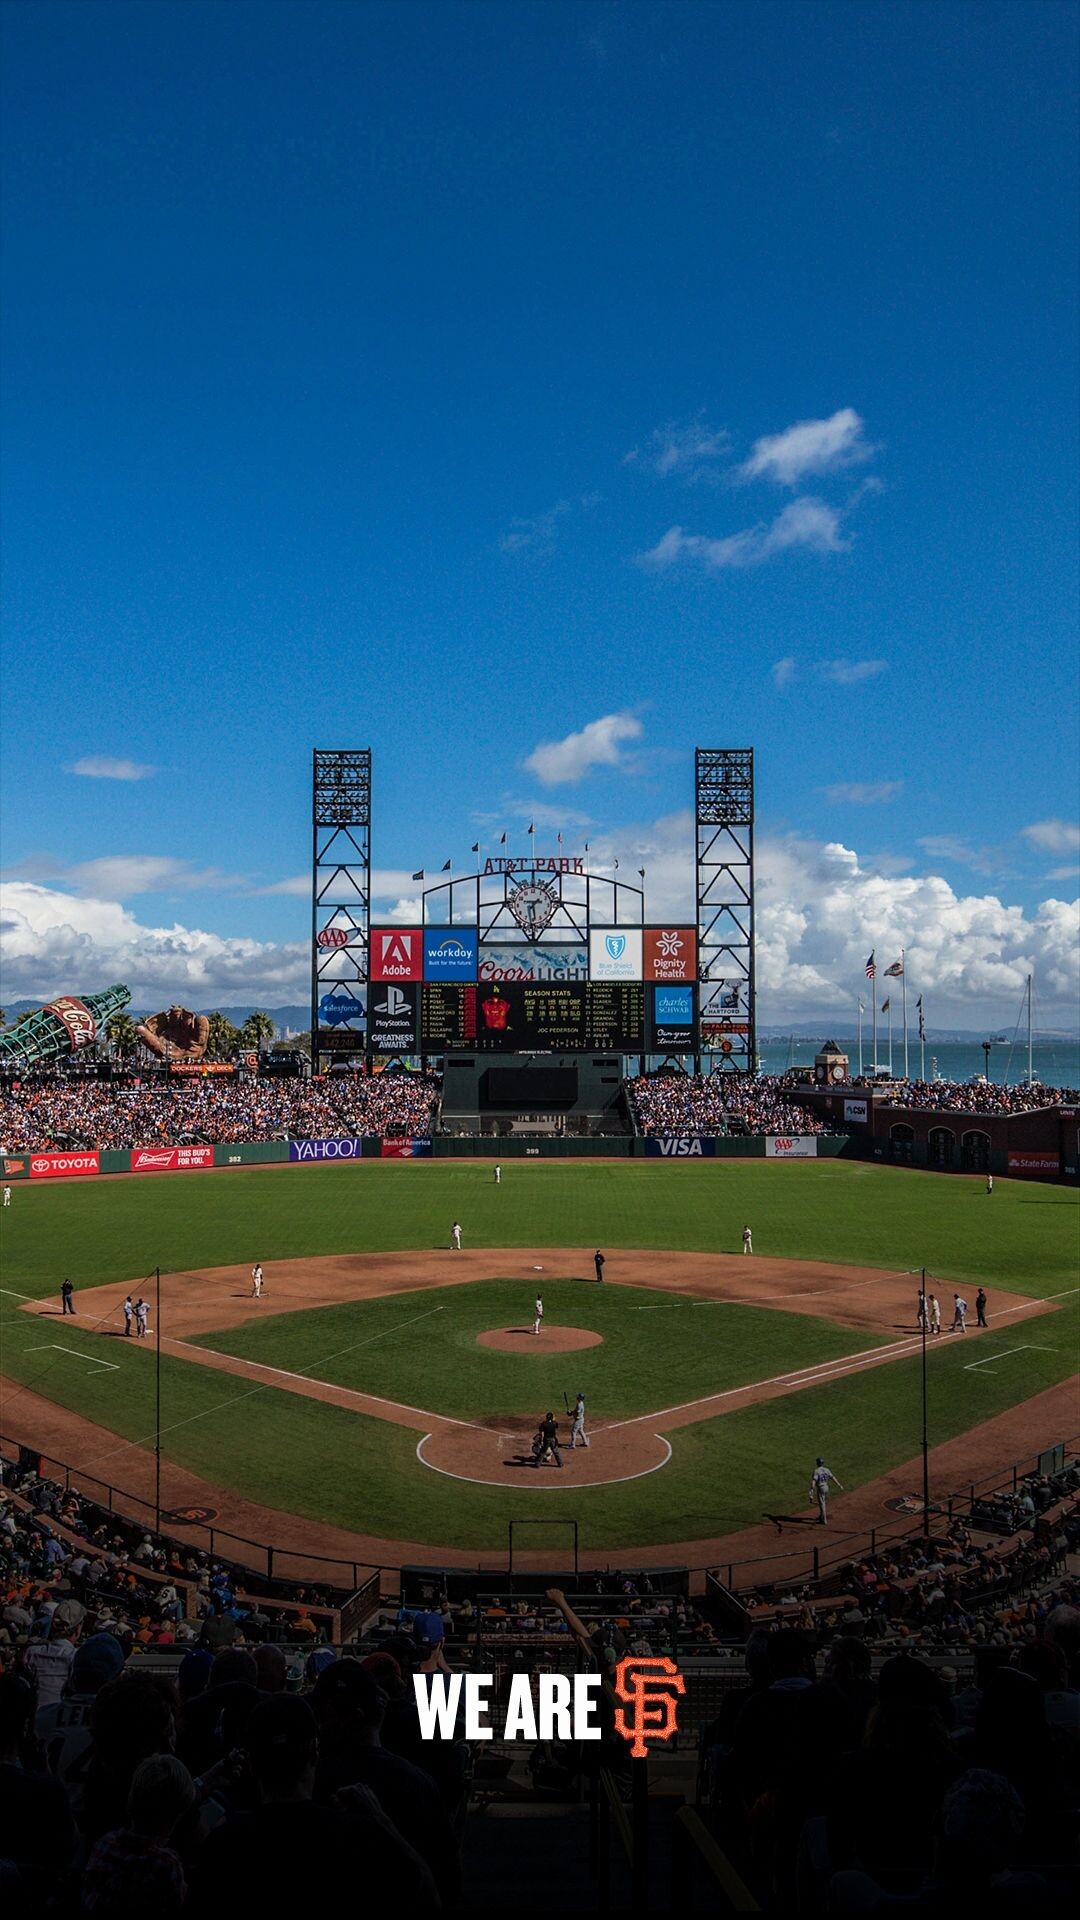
(96, 1114)
(717, 1103)
(161, 1752)
(978, 1096)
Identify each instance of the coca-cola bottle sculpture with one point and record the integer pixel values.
(54, 1033)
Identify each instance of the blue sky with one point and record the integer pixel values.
(425, 377)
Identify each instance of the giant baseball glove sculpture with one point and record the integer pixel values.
(176, 1034)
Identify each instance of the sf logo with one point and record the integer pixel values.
(649, 1688)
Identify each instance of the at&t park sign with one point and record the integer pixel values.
(561, 863)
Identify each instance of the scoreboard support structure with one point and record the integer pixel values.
(724, 832)
(340, 894)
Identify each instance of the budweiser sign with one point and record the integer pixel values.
(170, 1159)
(77, 1018)
(46, 1166)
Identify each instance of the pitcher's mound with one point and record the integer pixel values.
(548, 1340)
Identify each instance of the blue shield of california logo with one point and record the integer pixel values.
(616, 945)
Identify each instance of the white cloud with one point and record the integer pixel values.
(536, 535)
(806, 522)
(1064, 873)
(811, 446)
(101, 766)
(558, 762)
(952, 847)
(862, 793)
(690, 452)
(121, 876)
(783, 672)
(58, 942)
(849, 673)
(1054, 836)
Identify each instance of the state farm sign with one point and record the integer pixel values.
(50, 1166)
(170, 1159)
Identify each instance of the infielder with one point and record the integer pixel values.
(598, 1263)
(498, 1176)
(934, 1306)
(142, 1315)
(747, 1240)
(538, 1315)
(959, 1317)
(577, 1424)
(256, 1280)
(920, 1312)
(455, 1236)
(129, 1314)
(67, 1297)
(820, 1481)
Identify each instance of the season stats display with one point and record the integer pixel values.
(519, 1016)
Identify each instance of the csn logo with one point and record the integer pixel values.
(563, 1707)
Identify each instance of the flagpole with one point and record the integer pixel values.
(890, 1037)
(873, 1003)
(922, 1042)
(860, 1037)
(903, 977)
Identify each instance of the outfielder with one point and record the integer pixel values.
(747, 1240)
(498, 1176)
(539, 1314)
(7, 1196)
(455, 1236)
(256, 1280)
(577, 1424)
(820, 1481)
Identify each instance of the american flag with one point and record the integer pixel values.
(871, 970)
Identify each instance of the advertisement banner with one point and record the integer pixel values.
(615, 953)
(342, 1008)
(671, 1025)
(16, 1169)
(62, 1166)
(681, 1146)
(525, 961)
(856, 1112)
(1024, 1162)
(450, 953)
(405, 1150)
(170, 1159)
(719, 1000)
(670, 953)
(393, 1019)
(326, 1149)
(781, 1146)
(77, 1018)
(397, 953)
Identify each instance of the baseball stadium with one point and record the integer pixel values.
(518, 1321)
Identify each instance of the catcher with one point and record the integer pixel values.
(176, 1034)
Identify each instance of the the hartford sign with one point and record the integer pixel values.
(564, 1706)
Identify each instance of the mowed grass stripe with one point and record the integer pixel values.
(1023, 1237)
(645, 1361)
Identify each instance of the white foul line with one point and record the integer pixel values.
(1029, 1348)
(99, 1366)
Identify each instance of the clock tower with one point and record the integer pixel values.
(831, 1066)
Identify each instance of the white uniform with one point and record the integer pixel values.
(747, 1240)
(256, 1280)
(498, 1176)
(539, 1314)
(934, 1305)
(959, 1319)
(7, 1196)
(820, 1481)
(577, 1429)
(142, 1316)
(455, 1237)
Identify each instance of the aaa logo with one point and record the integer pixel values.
(650, 1688)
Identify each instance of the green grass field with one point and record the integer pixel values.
(299, 1455)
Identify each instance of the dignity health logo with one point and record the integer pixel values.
(563, 1707)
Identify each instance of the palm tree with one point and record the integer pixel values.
(257, 1032)
(122, 1036)
(224, 1037)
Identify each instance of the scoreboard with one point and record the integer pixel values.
(533, 1017)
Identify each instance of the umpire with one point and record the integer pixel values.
(549, 1441)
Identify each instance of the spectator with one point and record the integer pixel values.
(134, 1871)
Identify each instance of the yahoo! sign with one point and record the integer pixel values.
(325, 1149)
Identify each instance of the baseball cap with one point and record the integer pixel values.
(318, 1660)
(97, 1661)
(70, 1613)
